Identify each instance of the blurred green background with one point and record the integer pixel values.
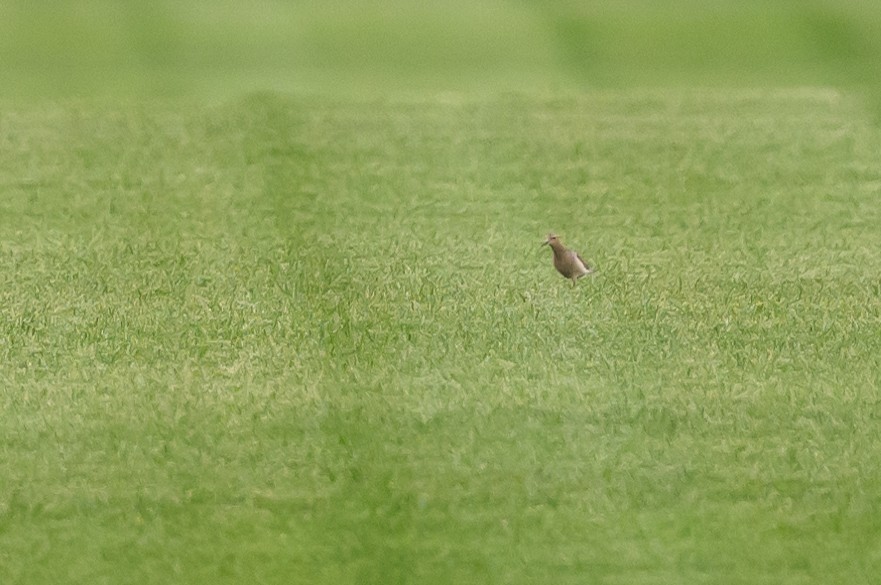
(222, 48)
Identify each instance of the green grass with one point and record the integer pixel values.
(220, 49)
(293, 340)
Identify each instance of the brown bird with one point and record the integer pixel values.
(566, 261)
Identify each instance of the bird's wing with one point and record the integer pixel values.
(583, 261)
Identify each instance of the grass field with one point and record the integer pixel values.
(298, 340)
(273, 307)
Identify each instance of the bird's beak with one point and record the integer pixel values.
(545, 243)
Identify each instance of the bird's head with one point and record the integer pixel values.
(551, 239)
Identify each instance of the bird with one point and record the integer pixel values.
(566, 261)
